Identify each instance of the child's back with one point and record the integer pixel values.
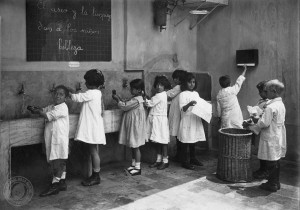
(90, 124)
(228, 105)
(133, 125)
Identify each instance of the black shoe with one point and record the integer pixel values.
(62, 185)
(196, 162)
(53, 190)
(154, 165)
(94, 179)
(271, 187)
(188, 166)
(163, 166)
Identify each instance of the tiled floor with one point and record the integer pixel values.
(174, 188)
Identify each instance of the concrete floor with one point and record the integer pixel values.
(174, 188)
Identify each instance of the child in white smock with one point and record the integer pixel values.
(227, 102)
(90, 129)
(191, 128)
(133, 132)
(56, 138)
(272, 143)
(174, 112)
(157, 122)
(261, 173)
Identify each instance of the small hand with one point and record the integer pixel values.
(115, 97)
(71, 90)
(254, 119)
(34, 109)
(193, 103)
(247, 123)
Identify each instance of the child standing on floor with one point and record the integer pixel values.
(261, 173)
(174, 112)
(90, 128)
(227, 103)
(157, 122)
(272, 143)
(56, 138)
(191, 128)
(133, 126)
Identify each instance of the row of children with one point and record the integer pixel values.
(267, 122)
(136, 127)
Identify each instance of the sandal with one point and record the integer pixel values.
(130, 168)
(135, 172)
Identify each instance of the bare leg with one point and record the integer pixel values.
(93, 148)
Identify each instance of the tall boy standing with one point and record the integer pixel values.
(272, 143)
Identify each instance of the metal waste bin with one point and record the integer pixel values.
(234, 159)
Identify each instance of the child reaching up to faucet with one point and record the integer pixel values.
(90, 129)
(56, 138)
(133, 126)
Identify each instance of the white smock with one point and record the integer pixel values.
(174, 112)
(157, 121)
(57, 131)
(90, 127)
(191, 128)
(228, 105)
(272, 142)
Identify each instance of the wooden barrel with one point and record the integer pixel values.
(234, 159)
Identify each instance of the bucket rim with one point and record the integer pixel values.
(230, 134)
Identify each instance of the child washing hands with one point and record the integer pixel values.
(133, 126)
(56, 138)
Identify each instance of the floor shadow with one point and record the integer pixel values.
(251, 191)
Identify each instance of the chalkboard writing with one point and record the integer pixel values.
(68, 30)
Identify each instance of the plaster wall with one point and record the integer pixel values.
(272, 28)
(136, 45)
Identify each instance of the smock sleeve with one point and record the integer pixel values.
(128, 105)
(238, 84)
(81, 97)
(264, 121)
(154, 100)
(173, 92)
(56, 113)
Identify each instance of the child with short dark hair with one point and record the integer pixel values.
(174, 111)
(227, 103)
(191, 129)
(133, 132)
(272, 143)
(56, 138)
(157, 122)
(90, 129)
(255, 113)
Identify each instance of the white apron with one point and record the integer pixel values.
(57, 132)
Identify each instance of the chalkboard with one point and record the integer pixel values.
(68, 30)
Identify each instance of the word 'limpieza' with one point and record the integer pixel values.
(68, 46)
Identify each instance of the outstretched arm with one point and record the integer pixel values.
(244, 71)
